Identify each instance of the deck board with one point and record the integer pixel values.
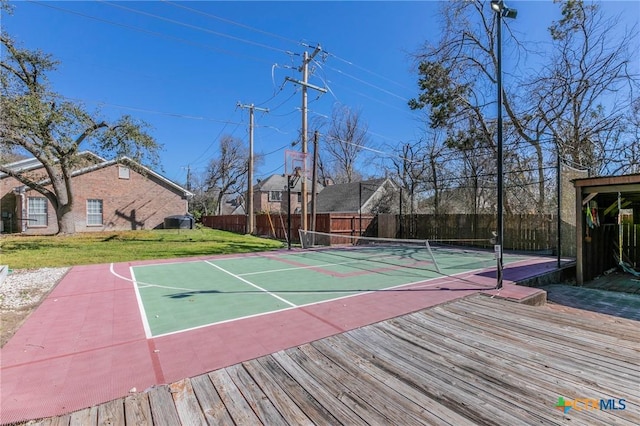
(289, 410)
(256, 398)
(582, 345)
(238, 407)
(111, 413)
(137, 410)
(163, 409)
(212, 406)
(477, 360)
(88, 416)
(186, 403)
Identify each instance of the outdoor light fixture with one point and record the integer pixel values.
(501, 10)
(498, 6)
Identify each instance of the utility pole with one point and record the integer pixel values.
(314, 181)
(305, 85)
(188, 183)
(251, 227)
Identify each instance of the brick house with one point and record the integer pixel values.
(270, 194)
(109, 196)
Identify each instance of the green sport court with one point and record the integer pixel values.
(180, 296)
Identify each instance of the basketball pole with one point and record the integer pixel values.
(289, 211)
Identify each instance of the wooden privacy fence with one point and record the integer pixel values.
(521, 232)
(275, 225)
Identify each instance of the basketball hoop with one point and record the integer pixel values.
(296, 164)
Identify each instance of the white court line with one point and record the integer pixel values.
(146, 285)
(298, 268)
(147, 328)
(169, 287)
(223, 322)
(252, 284)
(173, 262)
(354, 294)
(143, 313)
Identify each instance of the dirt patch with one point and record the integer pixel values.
(21, 293)
(11, 322)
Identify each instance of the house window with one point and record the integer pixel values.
(275, 195)
(94, 212)
(123, 172)
(37, 211)
(299, 197)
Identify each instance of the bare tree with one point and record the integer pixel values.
(579, 98)
(457, 82)
(411, 168)
(582, 96)
(227, 174)
(52, 129)
(344, 143)
(204, 201)
(632, 154)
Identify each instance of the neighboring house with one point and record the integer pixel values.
(454, 201)
(108, 195)
(270, 194)
(232, 204)
(370, 196)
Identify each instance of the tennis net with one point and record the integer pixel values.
(443, 256)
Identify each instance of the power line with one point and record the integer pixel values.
(367, 70)
(280, 37)
(195, 27)
(368, 84)
(148, 32)
(229, 21)
(151, 111)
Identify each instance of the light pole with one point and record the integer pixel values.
(501, 11)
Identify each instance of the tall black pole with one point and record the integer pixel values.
(401, 218)
(559, 213)
(360, 207)
(314, 181)
(500, 226)
(289, 211)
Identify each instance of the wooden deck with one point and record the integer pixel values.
(476, 360)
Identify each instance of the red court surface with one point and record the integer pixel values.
(86, 342)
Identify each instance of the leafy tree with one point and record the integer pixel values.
(53, 129)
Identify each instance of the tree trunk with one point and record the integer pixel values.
(66, 220)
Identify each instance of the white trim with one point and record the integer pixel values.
(39, 214)
(93, 214)
(105, 163)
(33, 163)
(252, 284)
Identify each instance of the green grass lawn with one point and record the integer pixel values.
(23, 252)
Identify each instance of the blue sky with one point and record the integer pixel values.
(183, 71)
